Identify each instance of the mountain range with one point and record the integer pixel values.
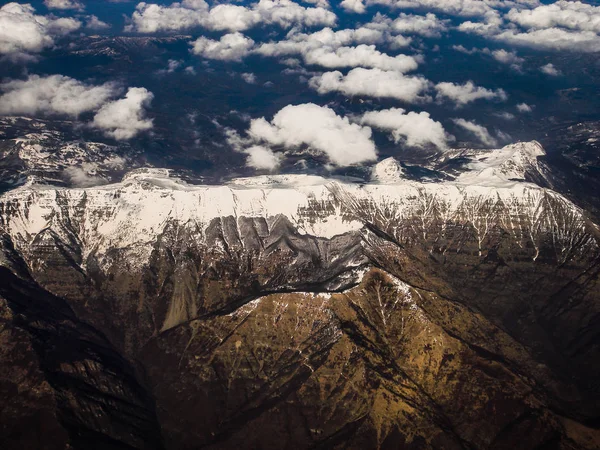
(298, 311)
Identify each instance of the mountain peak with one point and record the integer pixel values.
(502, 166)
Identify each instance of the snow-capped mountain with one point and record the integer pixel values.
(289, 297)
(42, 154)
(490, 195)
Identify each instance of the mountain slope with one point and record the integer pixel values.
(300, 312)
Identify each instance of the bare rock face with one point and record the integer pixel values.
(298, 312)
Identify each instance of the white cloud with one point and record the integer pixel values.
(394, 32)
(563, 25)
(416, 129)
(462, 8)
(331, 49)
(81, 177)
(478, 131)
(64, 4)
(552, 39)
(399, 41)
(490, 25)
(509, 58)
(231, 18)
(573, 15)
(505, 115)
(302, 43)
(61, 95)
(249, 78)
(231, 47)
(359, 56)
(55, 94)
(63, 26)
(262, 158)
(93, 23)
(320, 3)
(506, 57)
(524, 108)
(428, 26)
(172, 66)
(371, 83)
(320, 129)
(355, 6)
(462, 94)
(22, 32)
(463, 49)
(549, 69)
(125, 118)
(151, 18)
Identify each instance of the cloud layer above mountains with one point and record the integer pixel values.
(23, 33)
(58, 95)
(319, 129)
(371, 56)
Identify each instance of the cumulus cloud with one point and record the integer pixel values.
(61, 95)
(506, 57)
(479, 131)
(331, 49)
(573, 15)
(151, 18)
(524, 108)
(303, 43)
(459, 8)
(55, 94)
(510, 58)
(172, 66)
(501, 55)
(552, 39)
(463, 49)
(262, 158)
(249, 78)
(320, 129)
(462, 94)
(549, 69)
(371, 83)
(123, 119)
(93, 23)
(355, 6)
(22, 32)
(415, 129)
(505, 115)
(428, 25)
(490, 25)
(322, 3)
(399, 41)
(359, 56)
(462, 8)
(563, 25)
(63, 4)
(231, 47)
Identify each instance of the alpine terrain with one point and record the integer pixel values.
(300, 312)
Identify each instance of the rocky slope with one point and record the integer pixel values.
(301, 312)
(40, 152)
